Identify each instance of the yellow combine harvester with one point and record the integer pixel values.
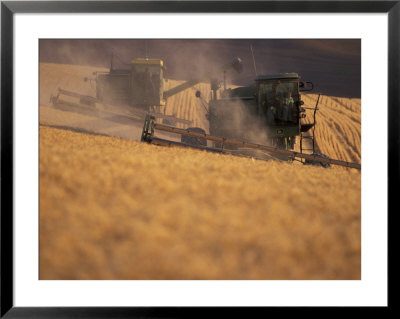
(130, 93)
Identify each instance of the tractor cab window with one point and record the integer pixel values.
(278, 101)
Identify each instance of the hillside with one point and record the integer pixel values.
(114, 208)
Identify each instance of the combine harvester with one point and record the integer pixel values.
(129, 93)
(271, 108)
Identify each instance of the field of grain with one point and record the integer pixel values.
(114, 208)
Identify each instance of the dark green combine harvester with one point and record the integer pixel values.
(271, 109)
(269, 112)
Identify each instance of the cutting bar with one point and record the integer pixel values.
(151, 127)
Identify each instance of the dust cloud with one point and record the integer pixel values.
(333, 65)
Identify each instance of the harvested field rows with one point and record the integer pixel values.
(185, 105)
(338, 130)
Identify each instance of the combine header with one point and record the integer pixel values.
(72, 101)
(199, 142)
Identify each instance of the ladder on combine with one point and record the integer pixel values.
(310, 136)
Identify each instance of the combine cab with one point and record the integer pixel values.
(140, 86)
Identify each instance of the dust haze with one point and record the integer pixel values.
(334, 66)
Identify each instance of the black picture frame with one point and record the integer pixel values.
(9, 8)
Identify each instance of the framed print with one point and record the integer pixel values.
(182, 158)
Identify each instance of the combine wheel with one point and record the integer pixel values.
(194, 141)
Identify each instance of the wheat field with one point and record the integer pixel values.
(114, 208)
